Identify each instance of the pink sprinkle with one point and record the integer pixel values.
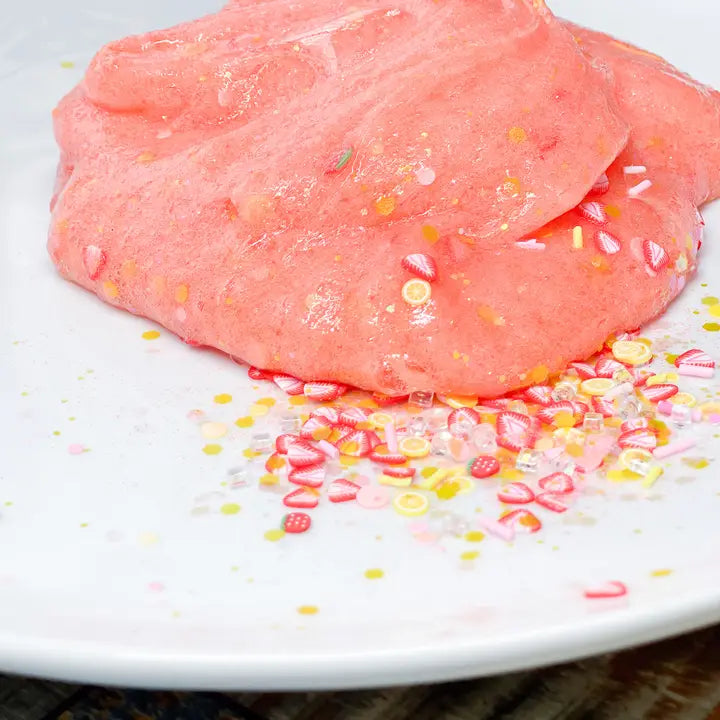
(696, 415)
(391, 437)
(714, 418)
(76, 449)
(673, 448)
(418, 527)
(329, 449)
(156, 587)
(425, 176)
(665, 407)
(641, 187)
(695, 371)
(499, 530)
(594, 453)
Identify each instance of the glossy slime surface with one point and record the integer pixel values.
(256, 181)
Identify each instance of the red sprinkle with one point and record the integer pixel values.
(422, 265)
(342, 490)
(515, 493)
(296, 522)
(610, 589)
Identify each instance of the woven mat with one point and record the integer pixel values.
(677, 679)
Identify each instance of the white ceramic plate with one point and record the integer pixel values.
(118, 562)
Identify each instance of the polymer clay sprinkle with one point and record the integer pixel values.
(640, 188)
(600, 416)
(695, 371)
(681, 446)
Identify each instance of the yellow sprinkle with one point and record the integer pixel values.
(622, 475)
(470, 555)
(430, 233)
(539, 374)
(297, 400)
(223, 399)
(577, 239)
(212, 449)
(474, 536)
(517, 135)
(269, 479)
(275, 462)
(711, 327)
(151, 335)
(489, 315)
(111, 289)
(662, 378)
(374, 574)
(613, 211)
(504, 227)
(258, 410)
(274, 535)
(181, 293)
(266, 401)
(710, 300)
(148, 539)
(308, 610)
(432, 480)
(652, 476)
(384, 205)
(511, 473)
(145, 158)
(67, 64)
(714, 310)
(448, 490)
(230, 509)
(428, 471)
(245, 422)
(684, 398)
(661, 573)
(564, 419)
(250, 454)
(348, 461)
(696, 463)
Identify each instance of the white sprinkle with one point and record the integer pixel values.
(639, 188)
(530, 245)
(634, 169)
(425, 176)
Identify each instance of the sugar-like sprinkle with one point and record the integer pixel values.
(621, 389)
(391, 437)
